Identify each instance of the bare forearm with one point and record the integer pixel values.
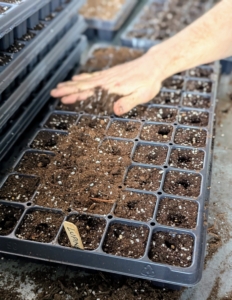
(207, 39)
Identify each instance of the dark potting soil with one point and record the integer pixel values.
(127, 241)
(135, 206)
(11, 1)
(122, 129)
(149, 154)
(9, 217)
(190, 137)
(194, 118)
(3, 9)
(201, 72)
(33, 163)
(40, 226)
(156, 133)
(138, 112)
(39, 27)
(157, 114)
(28, 36)
(50, 17)
(167, 98)
(173, 83)
(182, 184)
(187, 159)
(177, 213)
(90, 229)
(60, 121)
(16, 47)
(143, 178)
(19, 188)
(171, 248)
(4, 59)
(45, 140)
(196, 101)
(199, 86)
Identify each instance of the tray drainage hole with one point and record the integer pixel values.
(110, 217)
(69, 210)
(165, 167)
(143, 120)
(170, 245)
(152, 223)
(175, 124)
(29, 204)
(159, 193)
(136, 140)
(170, 144)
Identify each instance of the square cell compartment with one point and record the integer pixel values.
(196, 101)
(191, 159)
(124, 129)
(60, 121)
(156, 133)
(150, 154)
(200, 86)
(190, 137)
(167, 98)
(194, 118)
(9, 216)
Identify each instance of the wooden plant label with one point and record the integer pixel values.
(73, 235)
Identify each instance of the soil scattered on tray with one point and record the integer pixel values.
(16, 47)
(4, 59)
(171, 248)
(196, 101)
(122, 129)
(9, 216)
(11, 1)
(191, 159)
(127, 241)
(156, 114)
(60, 121)
(101, 9)
(182, 184)
(149, 154)
(19, 188)
(39, 225)
(201, 72)
(39, 27)
(194, 118)
(190, 137)
(177, 213)
(45, 140)
(90, 229)
(3, 9)
(156, 133)
(28, 36)
(199, 86)
(167, 98)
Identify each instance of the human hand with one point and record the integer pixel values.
(138, 81)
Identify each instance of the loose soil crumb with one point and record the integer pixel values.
(194, 118)
(60, 121)
(129, 130)
(40, 226)
(182, 184)
(173, 249)
(167, 98)
(19, 188)
(157, 133)
(199, 86)
(196, 101)
(90, 229)
(190, 137)
(135, 206)
(187, 159)
(9, 216)
(143, 178)
(127, 241)
(177, 213)
(149, 154)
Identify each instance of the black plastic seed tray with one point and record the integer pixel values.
(21, 47)
(106, 29)
(172, 237)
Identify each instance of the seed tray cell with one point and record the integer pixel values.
(59, 121)
(93, 176)
(106, 29)
(9, 216)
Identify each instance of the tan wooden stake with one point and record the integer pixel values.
(73, 235)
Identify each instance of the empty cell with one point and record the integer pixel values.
(191, 159)
(135, 206)
(60, 121)
(143, 178)
(182, 184)
(9, 216)
(90, 229)
(167, 115)
(196, 101)
(126, 241)
(19, 188)
(172, 249)
(201, 72)
(173, 83)
(194, 118)
(149, 154)
(45, 140)
(124, 129)
(177, 213)
(40, 226)
(157, 133)
(167, 98)
(199, 86)
(190, 137)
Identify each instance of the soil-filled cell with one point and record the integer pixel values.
(156, 133)
(135, 206)
(172, 249)
(190, 137)
(143, 178)
(9, 217)
(28, 36)
(167, 98)
(196, 101)
(90, 229)
(4, 59)
(199, 86)
(191, 159)
(182, 184)
(149, 154)
(177, 213)
(92, 124)
(19, 188)
(3, 9)
(201, 72)
(126, 241)
(194, 118)
(173, 83)
(45, 140)
(40, 226)
(60, 122)
(124, 129)
(16, 47)
(167, 115)
(138, 112)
